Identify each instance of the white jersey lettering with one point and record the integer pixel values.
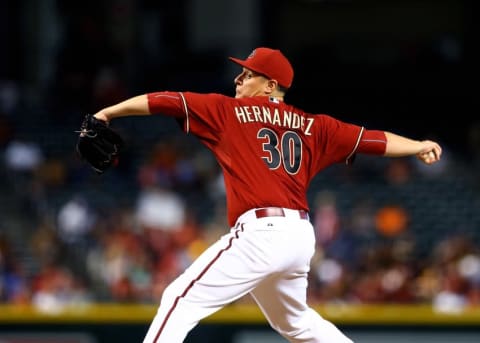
(309, 126)
(248, 112)
(240, 114)
(287, 119)
(256, 113)
(264, 114)
(276, 118)
(296, 121)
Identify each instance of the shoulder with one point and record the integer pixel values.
(207, 96)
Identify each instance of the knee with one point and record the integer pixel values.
(311, 328)
(169, 294)
(169, 291)
(293, 330)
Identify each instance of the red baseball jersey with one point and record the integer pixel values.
(269, 151)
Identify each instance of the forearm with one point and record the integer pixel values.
(398, 146)
(426, 151)
(137, 105)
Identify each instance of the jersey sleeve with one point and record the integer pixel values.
(338, 141)
(199, 114)
(167, 103)
(373, 142)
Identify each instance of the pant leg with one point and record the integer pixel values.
(283, 296)
(290, 315)
(226, 271)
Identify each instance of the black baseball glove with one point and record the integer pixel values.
(98, 144)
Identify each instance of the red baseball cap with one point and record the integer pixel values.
(269, 62)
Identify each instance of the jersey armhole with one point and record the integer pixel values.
(351, 156)
(185, 109)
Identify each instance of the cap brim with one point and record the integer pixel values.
(244, 64)
(238, 61)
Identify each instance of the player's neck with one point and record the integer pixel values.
(277, 95)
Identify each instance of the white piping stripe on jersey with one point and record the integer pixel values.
(165, 96)
(374, 140)
(185, 108)
(356, 145)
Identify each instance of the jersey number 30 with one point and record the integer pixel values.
(286, 150)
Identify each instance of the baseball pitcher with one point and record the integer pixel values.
(269, 152)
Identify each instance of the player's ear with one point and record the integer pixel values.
(271, 86)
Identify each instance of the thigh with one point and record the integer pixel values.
(283, 295)
(224, 272)
(217, 277)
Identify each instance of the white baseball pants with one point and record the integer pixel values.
(267, 257)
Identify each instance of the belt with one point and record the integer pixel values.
(280, 212)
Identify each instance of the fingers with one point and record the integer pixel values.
(437, 151)
(101, 116)
(431, 153)
(427, 157)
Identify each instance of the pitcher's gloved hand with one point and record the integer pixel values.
(98, 144)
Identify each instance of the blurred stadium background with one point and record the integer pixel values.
(85, 258)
